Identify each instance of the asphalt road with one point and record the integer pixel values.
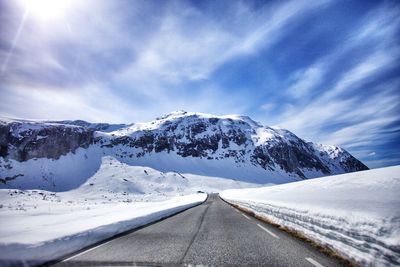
(213, 233)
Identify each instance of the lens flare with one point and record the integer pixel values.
(47, 9)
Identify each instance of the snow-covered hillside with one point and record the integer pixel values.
(356, 214)
(104, 127)
(78, 172)
(63, 155)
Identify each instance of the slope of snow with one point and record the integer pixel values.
(226, 168)
(39, 226)
(66, 173)
(89, 171)
(356, 214)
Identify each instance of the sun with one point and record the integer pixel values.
(47, 9)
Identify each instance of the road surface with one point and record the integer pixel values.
(213, 233)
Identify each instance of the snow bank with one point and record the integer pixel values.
(47, 232)
(356, 214)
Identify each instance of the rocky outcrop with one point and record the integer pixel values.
(23, 141)
(240, 138)
(104, 127)
(183, 134)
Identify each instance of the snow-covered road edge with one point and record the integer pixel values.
(36, 254)
(284, 220)
(356, 215)
(337, 241)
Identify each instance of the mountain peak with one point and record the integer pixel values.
(175, 113)
(233, 117)
(230, 146)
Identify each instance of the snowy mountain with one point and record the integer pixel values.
(104, 127)
(65, 154)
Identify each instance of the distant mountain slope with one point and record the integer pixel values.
(104, 127)
(231, 146)
(238, 138)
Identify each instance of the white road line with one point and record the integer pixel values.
(268, 231)
(314, 262)
(83, 252)
(246, 216)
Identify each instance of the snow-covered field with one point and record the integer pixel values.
(356, 214)
(38, 226)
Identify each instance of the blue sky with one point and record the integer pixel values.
(326, 70)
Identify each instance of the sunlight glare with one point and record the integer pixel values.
(47, 9)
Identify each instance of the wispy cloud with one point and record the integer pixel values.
(126, 61)
(360, 113)
(178, 52)
(50, 103)
(306, 80)
(379, 28)
(349, 107)
(178, 46)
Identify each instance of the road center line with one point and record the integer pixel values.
(314, 262)
(268, 231)
(246, 216)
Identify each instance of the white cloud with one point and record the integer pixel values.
(306, 80)
(343, 114)
(363, 116)
(380, 26)
(161, 56)
(371, 66)
(164, 55)
(268, 107)
(177, 52)
(92, 103)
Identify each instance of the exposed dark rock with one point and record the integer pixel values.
(187, 135)
(351, 164)
(9, 178)
(49, 141)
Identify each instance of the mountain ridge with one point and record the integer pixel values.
(231, 146)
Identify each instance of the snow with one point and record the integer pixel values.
(230, 159)
(104, 127)
(39, 226)
(227, 168)
(98, 197)
(66, 173)
(25, 127)
(356, 214)
(332, 151)
(158, 123)
(263, 135)
(50, 207)
(91, 171)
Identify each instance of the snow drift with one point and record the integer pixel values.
(356, 214)
(32, 235)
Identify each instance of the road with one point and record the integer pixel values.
(213, 233)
